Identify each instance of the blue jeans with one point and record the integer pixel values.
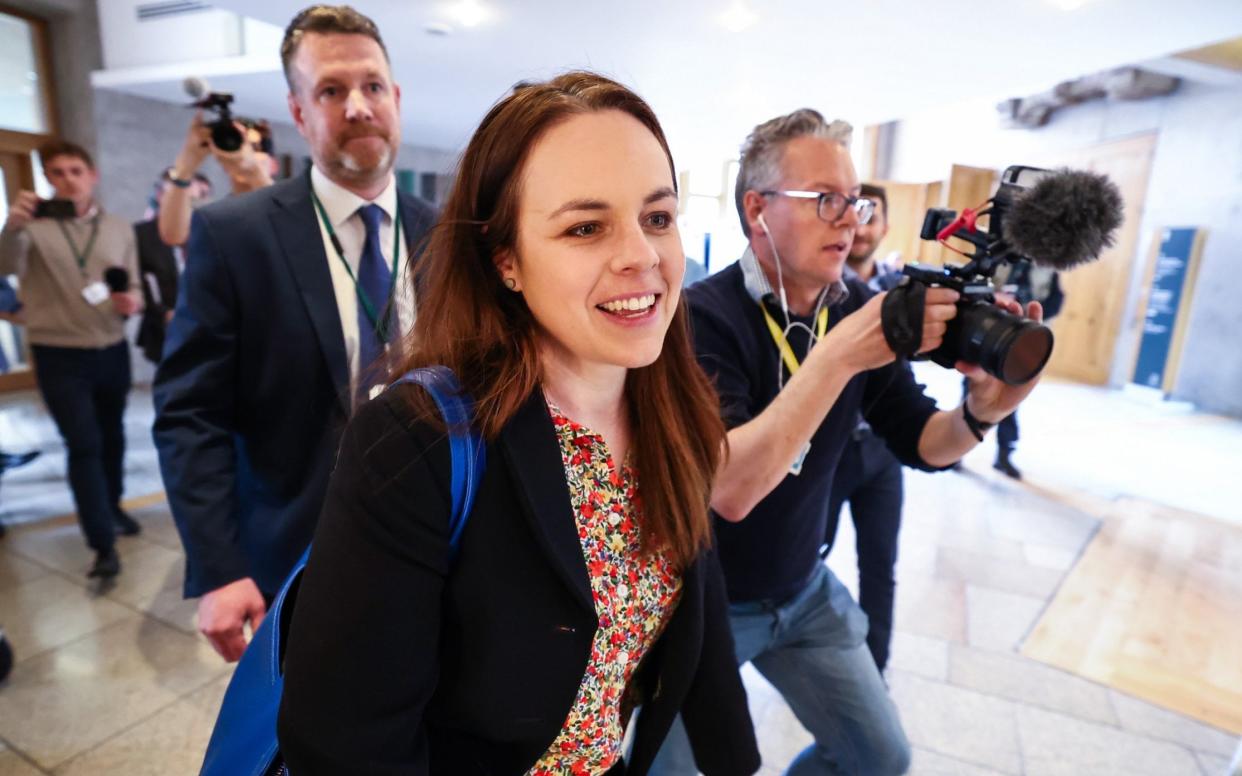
(813, 650)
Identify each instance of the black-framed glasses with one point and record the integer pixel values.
(832, 205)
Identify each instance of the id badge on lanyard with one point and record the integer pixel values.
(97, 292)
(792, 363)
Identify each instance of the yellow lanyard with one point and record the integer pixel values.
(782, 344)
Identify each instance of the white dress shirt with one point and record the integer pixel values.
(341, 207)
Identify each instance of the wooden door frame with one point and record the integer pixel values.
(23, 380)
(23, 144)
(47, 80)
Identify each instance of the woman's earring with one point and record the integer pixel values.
(511, 284)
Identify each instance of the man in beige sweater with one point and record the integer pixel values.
(79, 280)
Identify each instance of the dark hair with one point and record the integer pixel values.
(876, 193)
(469, 322)
(329, 19)
(54, 148)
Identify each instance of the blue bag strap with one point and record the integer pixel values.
(466, 450)
(467, 453)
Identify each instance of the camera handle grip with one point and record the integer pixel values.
(901, 318)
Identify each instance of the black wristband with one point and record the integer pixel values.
(976, 426)
(181, 183)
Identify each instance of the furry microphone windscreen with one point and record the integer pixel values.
(1067, 218)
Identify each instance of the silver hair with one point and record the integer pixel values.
(761, 154)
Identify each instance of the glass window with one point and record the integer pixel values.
(21, 86)
(12, 350)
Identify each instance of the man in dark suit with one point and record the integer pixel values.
(287, 306)
(161, 266)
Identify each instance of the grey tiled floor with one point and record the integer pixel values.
(116, 681)
(981, 556)
(39, 490)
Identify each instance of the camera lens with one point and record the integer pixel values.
(1026, 352)
(225, 136)
(1008, 347)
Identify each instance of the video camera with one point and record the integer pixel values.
(224, 133)
(1059, 218)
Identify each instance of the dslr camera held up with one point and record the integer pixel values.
(1056, 218)
(224, 133)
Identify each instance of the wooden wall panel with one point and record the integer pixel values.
(968, 187)
(906, 204)
(929, 252)
(1095, 295)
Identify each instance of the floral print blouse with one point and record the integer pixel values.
(634, 596)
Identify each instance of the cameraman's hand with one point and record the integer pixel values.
(860, 335)
(991, 399)
(939, 307)
(197, 148)
(125, 303)
(858, 340)
(22, 210)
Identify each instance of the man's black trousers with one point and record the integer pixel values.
(85, 391)
(869, 478)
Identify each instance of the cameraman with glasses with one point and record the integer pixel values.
(796, 351)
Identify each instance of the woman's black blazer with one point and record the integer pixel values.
(398, 663)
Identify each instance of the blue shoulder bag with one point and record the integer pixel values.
(243, 742)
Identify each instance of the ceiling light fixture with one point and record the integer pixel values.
(469, 13)
(739, 17)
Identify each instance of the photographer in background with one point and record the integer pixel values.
(249, 168)
(797, 351)
(879, 275)
(161, 265)
(79, 281)
(1027, 282)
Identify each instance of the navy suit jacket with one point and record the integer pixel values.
(253, 390)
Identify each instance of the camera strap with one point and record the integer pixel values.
(81, 256)
(901, 318)
(368, 306)
(782, 344)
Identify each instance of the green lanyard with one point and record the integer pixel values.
(81, 256)
(381, 329)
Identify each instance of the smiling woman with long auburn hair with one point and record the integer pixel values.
(585, 585)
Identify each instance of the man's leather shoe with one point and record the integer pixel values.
(107, 564)
(126, 525)
(1005, 467)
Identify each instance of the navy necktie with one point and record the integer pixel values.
(375, 280)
